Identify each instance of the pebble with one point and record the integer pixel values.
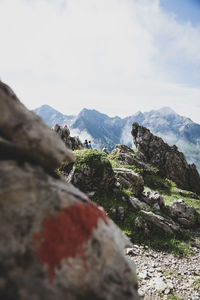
(163, 274)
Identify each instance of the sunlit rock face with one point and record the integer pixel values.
(55, 243)
(169, 160)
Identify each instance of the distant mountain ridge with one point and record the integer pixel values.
(102, 129)
(52, 116)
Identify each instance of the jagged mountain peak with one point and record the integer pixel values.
(138, 113)
(45, 108)
(51, 116)
(166, 111)
(85, 112)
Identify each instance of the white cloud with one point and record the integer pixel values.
(117, 56)
(83, 135)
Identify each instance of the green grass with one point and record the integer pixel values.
(168, 189)
(179, 245)
(169, 272)
(95, 159)
(118, 197)
(196, 284)
(172, 297)
(113, 157)
(137, 153)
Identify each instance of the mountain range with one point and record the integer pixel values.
(104, 130)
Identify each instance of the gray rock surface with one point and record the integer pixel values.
(151, 197)
(25, 136)
(164, 276)
(169, 160)
(151, 221)
(130, 180)
(72, 143)
(139, 205)
(126, 156)
(184, 214)
(55, 243)
(94, 174)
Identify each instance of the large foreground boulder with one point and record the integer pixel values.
(25, 137)
(171, 163)
(55, 243)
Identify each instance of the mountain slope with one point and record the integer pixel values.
(102, 129)
(52, 116)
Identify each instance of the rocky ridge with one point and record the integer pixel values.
(171, 163)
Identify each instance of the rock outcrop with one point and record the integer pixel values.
(126, 156)
(184, 214)
(149, 221)
(92, 171)
(72, 143)
(153, 198)
(55, 243)
(169, 160)
(139, 205)
(130, 180)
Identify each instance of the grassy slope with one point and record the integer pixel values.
(115, 198)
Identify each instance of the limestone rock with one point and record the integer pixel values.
(73, 143)
(55, 243)
(151, 198)
(40, 217)
(159, 284)
(184, 214)
(169, 160)
(126, 156)
(138, 205)
(25, 136)
(130, 180)
(153, 221)
(94, 173)
(118, 213)
(179, 273)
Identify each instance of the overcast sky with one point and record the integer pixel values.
(116, 56)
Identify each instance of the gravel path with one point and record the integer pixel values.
(162, 275)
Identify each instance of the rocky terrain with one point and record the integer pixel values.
(168, 234)
(171, 162)
(72, 143)
(93, 172)
(164, 276)
(55, 242)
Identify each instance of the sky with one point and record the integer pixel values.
(115, 56)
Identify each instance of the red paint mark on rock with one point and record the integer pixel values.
(64, 234)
